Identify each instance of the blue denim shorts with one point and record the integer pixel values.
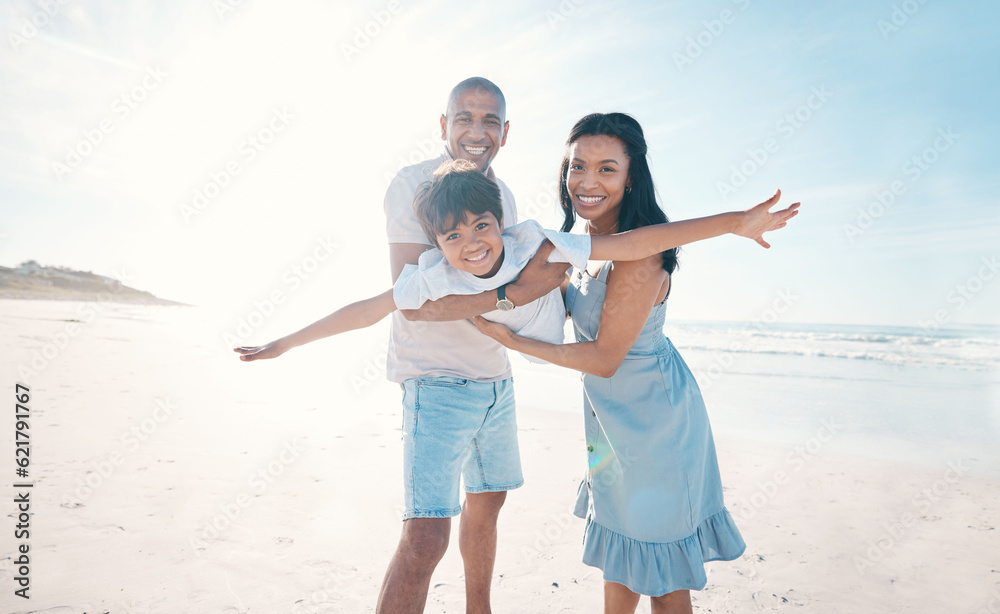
(456, 429)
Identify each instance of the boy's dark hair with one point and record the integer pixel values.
(457, 189)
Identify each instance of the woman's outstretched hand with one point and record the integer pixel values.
(497, 331)
(261, 352)
(758, 220)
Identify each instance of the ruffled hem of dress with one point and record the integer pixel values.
(651, 568)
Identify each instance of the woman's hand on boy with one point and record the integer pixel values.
(499, 332)
(538, 277)
(262, 352)
(754, 222)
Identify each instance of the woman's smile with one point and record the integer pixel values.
(597, 177)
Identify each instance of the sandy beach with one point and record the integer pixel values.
(180, 178)
(169, 477)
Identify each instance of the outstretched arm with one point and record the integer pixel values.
(538, 278)
(361, 314)
(648, 240)
(633, 289)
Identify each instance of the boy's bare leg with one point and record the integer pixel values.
(477, 539)
(421, 546)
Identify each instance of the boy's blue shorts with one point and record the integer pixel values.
(456, 427)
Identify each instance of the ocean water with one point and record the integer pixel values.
(974, 348)
(891, 393)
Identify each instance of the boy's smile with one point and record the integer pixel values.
(474, 245)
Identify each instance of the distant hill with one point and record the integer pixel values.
(31, 280)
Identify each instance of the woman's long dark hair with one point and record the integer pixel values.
(639, 207)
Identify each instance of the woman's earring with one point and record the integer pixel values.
(628, 189)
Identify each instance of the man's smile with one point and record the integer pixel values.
(475, 150)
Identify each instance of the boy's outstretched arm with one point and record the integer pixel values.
(648, 240)
(361, 314)
(537, 278)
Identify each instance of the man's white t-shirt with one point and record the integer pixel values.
(543, 319)
(437, 349)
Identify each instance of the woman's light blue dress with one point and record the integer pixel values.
(653, 496)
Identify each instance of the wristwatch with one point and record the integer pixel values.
(503, 303)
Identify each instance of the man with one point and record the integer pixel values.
(458, 402)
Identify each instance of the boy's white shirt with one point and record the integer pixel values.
(433, 278)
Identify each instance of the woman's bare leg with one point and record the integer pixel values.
(677, 602)
(618, 599)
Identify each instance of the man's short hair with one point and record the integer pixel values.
(478, 83)
(457, 189)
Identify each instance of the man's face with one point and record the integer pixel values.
(474, 127)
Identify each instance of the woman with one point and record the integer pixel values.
(653, 495)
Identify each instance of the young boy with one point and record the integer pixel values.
(460, 211)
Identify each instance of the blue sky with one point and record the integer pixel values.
(845, 106)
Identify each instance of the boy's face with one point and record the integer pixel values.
(474, 127)
(474, 244)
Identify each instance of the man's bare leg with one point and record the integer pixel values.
(421, 546)
(477, 539)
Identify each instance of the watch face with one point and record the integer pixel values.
(505, 305)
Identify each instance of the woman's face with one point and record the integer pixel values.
(596, 179)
